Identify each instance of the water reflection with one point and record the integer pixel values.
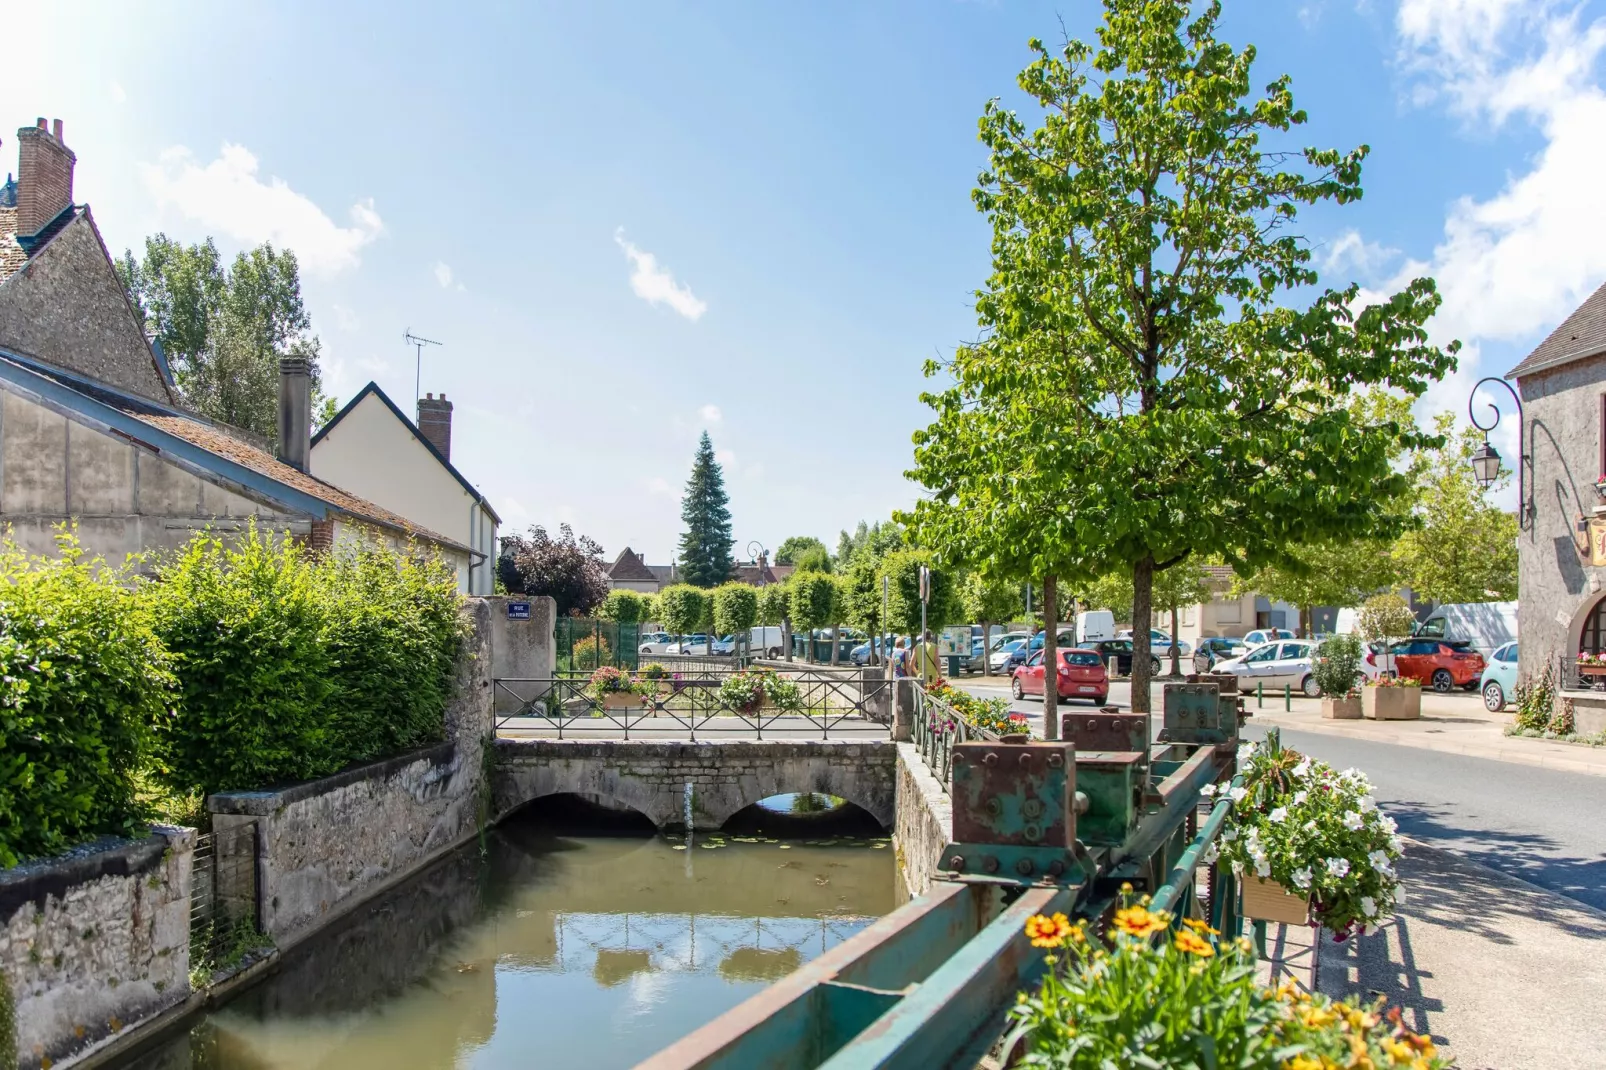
(548, 952)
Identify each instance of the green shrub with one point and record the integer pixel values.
(735, 609)
(590, 652)
(681, 608)
(1338, 665)
(1536, 701)
(81, 678)
(623, 607)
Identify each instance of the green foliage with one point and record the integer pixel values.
(985, 599)
(590, 652)
(902, 568)
(1338, 665)
(795, 545)
(773, 606)
(1160, 372)
(1536, 701)
(809, 600)
(1386, 616)
(623, 607)
(681, 608)
(1465, 549)
(705, 546)
(871, 540)
(82, 677)
(813, 559)
(749, 690)
(292, 668)
(216, 950)
(223, 331)
(735, 608)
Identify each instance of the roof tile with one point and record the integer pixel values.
(11, 255)
(1583, 334)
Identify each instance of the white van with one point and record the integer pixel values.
(766, 641)
(1481, 625)
(1094, 625)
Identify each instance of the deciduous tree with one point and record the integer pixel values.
(1465, 547)
(1154, 378)
(705, 547)
(569, 568)
(809, 604)
(988, 600)
(796, 545)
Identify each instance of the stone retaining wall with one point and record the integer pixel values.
(326, 845)
(924, 821)
(95, 940)
(723, 775)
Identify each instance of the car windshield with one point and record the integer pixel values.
(1077, 657)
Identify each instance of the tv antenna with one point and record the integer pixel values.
(418, 375)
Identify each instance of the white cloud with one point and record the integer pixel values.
(655, 285)
(659, 485)
(119, 94)
(1353, 254)
(710, 414)
(228, 195)
(726, 458)
(443, 274)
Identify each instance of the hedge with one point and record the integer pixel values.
(82, 677)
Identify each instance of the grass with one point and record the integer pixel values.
(221, 951)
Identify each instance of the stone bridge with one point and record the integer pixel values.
(720, 777)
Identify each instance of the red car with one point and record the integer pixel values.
(1081, 675)
(1436, 663)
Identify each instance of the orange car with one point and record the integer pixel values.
(1435, 663)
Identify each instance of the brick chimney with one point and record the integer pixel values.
(44, 180)
(435, 422)
(295, 411)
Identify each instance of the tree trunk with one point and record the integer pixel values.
(1307, 621)
(1176, 645)
(835, 644)
(1142, 621)
(786, 637)
(1051, 662)
(986, 645)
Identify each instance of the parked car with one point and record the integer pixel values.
(1159, 642)
(765, 641)
(1376, 661)
(1287, 663)
(655, 643)
(1477, 626)
(1095, 624)
(690, 644)
(1261, 636)
(1121, 651)
(860, 655)
(725, 645)
(1081, 675)
(1067, 639)
(1216, 648)
(1499, 679)
(1009, 655)
(1435, 663)
(978, 657)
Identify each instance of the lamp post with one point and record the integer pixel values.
(1486, 461)
(760, 556)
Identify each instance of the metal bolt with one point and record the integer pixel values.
(990, 864)
(1024, 867)
(957, 862)
(1055, 868)
(1026, 758)
(1056, 760)
(994, 807)
(1032, 832)
(1031, 808)
(1080, 803)
(991, 759)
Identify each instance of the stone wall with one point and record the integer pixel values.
(924, 820)
(521, 649)
(723, 776)
(94, 940)
(327, 845)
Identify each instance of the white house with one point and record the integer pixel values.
(371, 448)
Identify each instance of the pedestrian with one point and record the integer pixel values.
(924, 661)
(900, 660)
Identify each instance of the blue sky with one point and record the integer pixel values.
(631, 222)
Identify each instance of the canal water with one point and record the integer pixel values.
(553, 946)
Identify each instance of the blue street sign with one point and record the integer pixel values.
(518, 611)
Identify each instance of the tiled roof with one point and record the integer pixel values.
(1583, 334)
(11, 255)
(628, 566)
(1219, 572)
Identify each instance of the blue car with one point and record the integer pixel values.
(1499, 680)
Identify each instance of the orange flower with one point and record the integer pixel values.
(1051, 931)
(1140, 921)
(1194, 944)
(1200, 927)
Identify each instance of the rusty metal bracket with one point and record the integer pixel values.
(1107, 729)
(1015, 808)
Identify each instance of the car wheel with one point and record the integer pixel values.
(1310, 687)
(1154, 666)
(1494, 698)
(775, 652)
(1014, 688)
(1099, 700)
(1443, 682)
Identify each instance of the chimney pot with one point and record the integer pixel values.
(295, 411)
(44, 177)
(40, 122)
(435, 423)
(55, 130)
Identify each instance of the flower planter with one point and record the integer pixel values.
(1343, 708)
(1270, 901)
(619, 700)
(1391, 703)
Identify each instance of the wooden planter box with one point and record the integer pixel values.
(1269, 901)
(1391, 703)
(1344, 708)
(619, 700)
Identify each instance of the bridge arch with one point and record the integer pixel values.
(708, 780)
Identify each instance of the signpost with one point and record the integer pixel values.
(518, 611)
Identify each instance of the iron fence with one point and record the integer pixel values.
(1571, 675)
(937, 727)
(686, 704)
(582, 644)
(224, 895)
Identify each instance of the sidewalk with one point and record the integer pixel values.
(1455, 724)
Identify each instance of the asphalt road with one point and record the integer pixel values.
(1539, 825)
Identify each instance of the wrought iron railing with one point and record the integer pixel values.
(937, 727)
(1573, 675)
(687, 704)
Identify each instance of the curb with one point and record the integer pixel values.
(1513, 755)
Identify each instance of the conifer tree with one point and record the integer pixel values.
(705, 547)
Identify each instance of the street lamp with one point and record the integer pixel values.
(1486, 461)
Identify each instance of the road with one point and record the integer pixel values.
(1539, 825)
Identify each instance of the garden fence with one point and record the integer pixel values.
(582, 644)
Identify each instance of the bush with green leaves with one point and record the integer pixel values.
(1338, 665)
(590, 652)
(681, 608)
(82, 677)
(623, 607)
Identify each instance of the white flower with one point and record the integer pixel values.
(1338, 867)
(1310, 826)
(1389, 823)
(1367, 804)
(1237, 867)
(1209, 855)
(1302, 769)
(1368, 906)
(1237, 794)
(1278, 815)
(1353, 819)
(1208, 790)
(1299, 798)
(1368, 930)
(1380, 862)
(1301, 878)
(1228, 835)
(1262, 868)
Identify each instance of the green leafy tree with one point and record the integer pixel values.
(1326, 573)
(1160, 374)
(735, 610)
(902, 569)
(224, 330)
(795, 545)
(705, 547)
(570, 568)
(987, 601)
(813, 559)
(1464, 548)
(772, 604)
(809, 599)
(623, 607)
(682, 608)
(1386, 617)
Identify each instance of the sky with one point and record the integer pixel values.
(630, 223)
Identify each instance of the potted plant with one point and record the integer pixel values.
(1310, 842)
(613, 689)
(1391, 698)
(1337, 670)
(752, 690)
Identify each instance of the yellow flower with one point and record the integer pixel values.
(1200, 926)
(1302, 1062)
(1401, 1053)
(1126, 887)
(1191, 942)
(1314, 1017)
(1051, 931)
(1140, 921)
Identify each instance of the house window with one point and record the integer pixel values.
(1594, 638)
(1230, 612)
